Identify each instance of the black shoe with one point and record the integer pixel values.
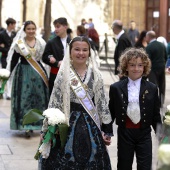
(8, 98)
(27, 134)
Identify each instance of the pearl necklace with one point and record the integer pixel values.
(82, 77)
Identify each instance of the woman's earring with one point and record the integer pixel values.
(87, 62)
(71, 61)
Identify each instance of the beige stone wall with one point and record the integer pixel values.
(35, 11)
(103, 12)
(127, 10)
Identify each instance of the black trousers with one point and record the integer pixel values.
(134, 141)
(51, 82)
(116, 67)
(158, 77)
(3, 62)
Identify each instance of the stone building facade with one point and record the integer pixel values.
(148, 14)
(128, 10)
(103, 12)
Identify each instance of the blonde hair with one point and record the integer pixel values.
(134, 53)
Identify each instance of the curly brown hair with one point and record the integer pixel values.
(134, 53)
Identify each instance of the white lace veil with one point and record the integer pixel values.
(20, 34)
(60, 97)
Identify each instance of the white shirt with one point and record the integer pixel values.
(152, 40)
(134, 90)
(9, 33)
(64, 42)
(120, 33)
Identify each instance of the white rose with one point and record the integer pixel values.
(164, 153)
(45, 150)
(54, 116)
(167, 120)
(168, 108)
(4, 73)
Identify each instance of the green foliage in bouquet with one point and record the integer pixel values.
(164, 147)
(164, 167)
(61, 129)
(2, 86)
(32, 116)
(166, 127)
(4, 75)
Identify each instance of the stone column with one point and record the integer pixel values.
(163, 19)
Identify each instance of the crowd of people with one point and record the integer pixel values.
(63, 73)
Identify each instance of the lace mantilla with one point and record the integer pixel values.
(62, 96)
(37, 51)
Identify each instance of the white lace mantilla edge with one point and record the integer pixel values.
(60, 97)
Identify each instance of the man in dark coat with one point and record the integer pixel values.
(133, 33)
(56, 48)
(123, 42)
(6, 38)
(158, 56)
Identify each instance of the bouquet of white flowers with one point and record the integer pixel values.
(56, 126)
(4, 75)
(164, 147)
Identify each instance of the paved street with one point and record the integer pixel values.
(17, 152)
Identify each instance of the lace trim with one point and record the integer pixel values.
(38, 49)
(60, 97)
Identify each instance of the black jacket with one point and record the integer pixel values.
(54, 47)
(122, 44)
(157, 54)
(148, 100)
(7, 41)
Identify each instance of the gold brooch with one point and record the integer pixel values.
(74, 82)
(146, 92)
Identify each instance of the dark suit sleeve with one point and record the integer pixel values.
(2, 41)
(107, 128)
(123, 45)
(47, 52)
(14, 60)
(148, 51)
(156, 117)
(165, 54)
(111, 103)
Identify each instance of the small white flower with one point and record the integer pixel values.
(54, 116)
(164, 153)
(167, 120)
(45, 150)
(4, 73)
(168, 108)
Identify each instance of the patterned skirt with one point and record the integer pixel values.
(84, 149)
(28, 92)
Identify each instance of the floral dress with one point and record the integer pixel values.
(28, 88)
(85, 148)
